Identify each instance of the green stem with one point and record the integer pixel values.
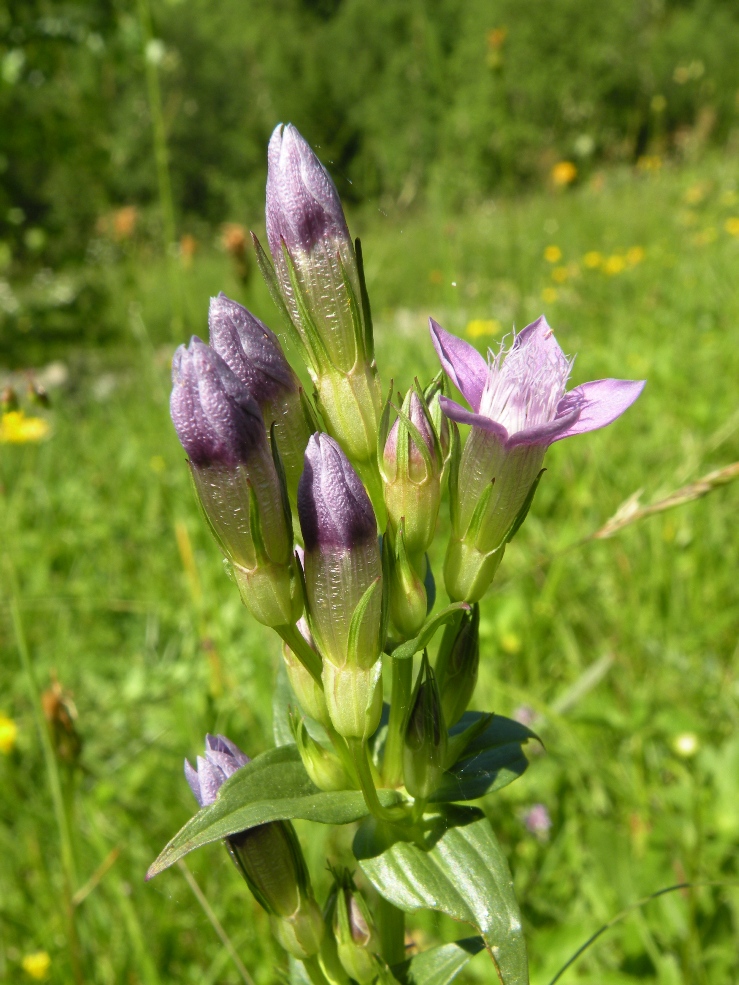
(391, 924)
(53, 776)
(314, 971)
(392, 767)
(302, 650)
(161, 157)
(366, 781)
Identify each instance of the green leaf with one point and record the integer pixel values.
(411, 647)
(465, 875)
(524, 511)
(439, 965)
(272, 787)
(492, 760)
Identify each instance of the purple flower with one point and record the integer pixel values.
(519, 407)
(304, 213)
(217, 420)
(255, 356)
(222, 759)
(538, 821)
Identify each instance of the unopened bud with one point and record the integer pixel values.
(412, 466)
(457, 664)
(268, 856)
(322, 765)
(425, 737)
(407, 591)
(221, 428)
(357, 940)
(307, 690)
(254, 354)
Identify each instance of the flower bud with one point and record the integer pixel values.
(425, 737)
(457, 664)
(322, 765)
(321, 280)
(221, 428)
(412, 464)
(432, 394)
(255, 356)
(268, 856)
(343, 579)
(407, 591)
(307, 690)
(357, 940)
(304, 213)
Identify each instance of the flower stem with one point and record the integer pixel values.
(392, 767)
(302, 650)
(366, 781)
(391, 924)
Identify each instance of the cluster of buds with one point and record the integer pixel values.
(358, 483)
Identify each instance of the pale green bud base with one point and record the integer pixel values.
(467, 572)
(353, 698)
(308, 690)
(302, 933)
(271, 592)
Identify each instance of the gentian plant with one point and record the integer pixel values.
(325, 505)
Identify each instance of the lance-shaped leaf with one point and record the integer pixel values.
(492, 760)
(465, 875)
(426, 633)
(272, 787)
(439, 965)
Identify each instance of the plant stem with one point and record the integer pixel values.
(302, 650)
(53, 776)
(366, 781)
(391, 924)
(392, 767)
(314, 971)
(161, 157)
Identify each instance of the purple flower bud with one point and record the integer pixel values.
(255, 356)
(217, 420)
(304, 213)
(268, 856)
(457, 664)
(357, 940)
(412, 465)
(343, 579)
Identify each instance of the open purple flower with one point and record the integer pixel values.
(519, 407)
(222, 759)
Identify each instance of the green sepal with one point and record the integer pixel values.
(273, 286)
(280, 470)
(411, 647)
(382, 433)
(524, 511)
(369, 335)
(319, 355)
(310, 412)
(385, 561)
(478, 515)
(455, 454)
(359, 333)
(417, 438)
(255, 528)
(420, 393)
(355, 626)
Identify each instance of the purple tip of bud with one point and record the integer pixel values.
(252, 351)
(222, 759)
(418, 417)
(303, 205)
(538, 821)
(334, 509)
(217, 420)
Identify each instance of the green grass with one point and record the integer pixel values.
(99, 522)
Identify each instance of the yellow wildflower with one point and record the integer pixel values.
(482, 326)
(649, 162)
(16, 428)
(732, 225)
(564, 173)
(635, 255)
(560, 275)
(37, 964)
(552, 254)
(614, 264)
(8, 734)
(549, 294)
(593, 259)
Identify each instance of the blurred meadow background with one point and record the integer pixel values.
(498, 159)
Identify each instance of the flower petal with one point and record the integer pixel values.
(462, 363)
(601, 402)
(545, 434)
(457, 413)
